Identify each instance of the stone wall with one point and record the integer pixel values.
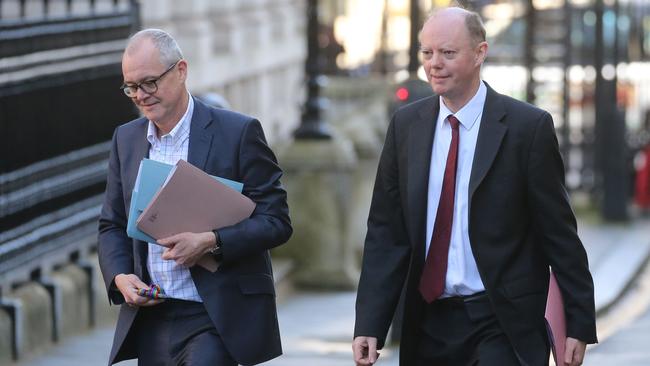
(66, 302)
(252, 52)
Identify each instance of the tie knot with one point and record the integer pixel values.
(453, 121)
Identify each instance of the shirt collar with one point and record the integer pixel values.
(469, 114)
(178, 130)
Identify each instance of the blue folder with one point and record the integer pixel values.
(151, 176)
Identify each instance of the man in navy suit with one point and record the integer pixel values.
(469, 212)
(221, 318)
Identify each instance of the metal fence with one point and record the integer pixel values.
(59, 103)
(587, 63)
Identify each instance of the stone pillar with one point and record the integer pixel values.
(359, 111)
(6, 338)
(105, 314)
(74, 314)
(367, 147)
(318, 179)
(34, 321)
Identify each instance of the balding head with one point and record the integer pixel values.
(168, 50)
(453, 50)
(473, 23)
(155, 72)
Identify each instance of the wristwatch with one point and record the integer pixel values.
(216, 251)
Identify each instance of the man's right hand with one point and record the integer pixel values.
(128, 284)
(365, 350)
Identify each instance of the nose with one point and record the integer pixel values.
(436, 60)
(140, 94)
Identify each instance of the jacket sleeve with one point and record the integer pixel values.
(386, 250)
(115, 248)
(557, 231)
(269, 225)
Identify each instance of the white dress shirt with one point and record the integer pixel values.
(462, 274)
(174, 279)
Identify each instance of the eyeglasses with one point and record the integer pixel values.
(147, 86)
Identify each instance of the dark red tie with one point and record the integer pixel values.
(432, 282)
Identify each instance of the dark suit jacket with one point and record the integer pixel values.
(520, 223)
(240, 296)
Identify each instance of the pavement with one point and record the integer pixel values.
(317, 327)
(626, 343)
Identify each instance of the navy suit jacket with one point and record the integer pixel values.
(520, 224)
(239, 297)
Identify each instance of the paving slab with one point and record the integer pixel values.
(617, 253)
(627, 347)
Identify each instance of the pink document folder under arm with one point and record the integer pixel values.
(556, 321)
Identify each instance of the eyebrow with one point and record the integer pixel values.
(146, 78)
(441, 48)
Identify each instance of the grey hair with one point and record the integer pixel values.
(473, 23)
(166, 45)
(475, 27)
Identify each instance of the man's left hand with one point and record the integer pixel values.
(574, 353)
(186, 248)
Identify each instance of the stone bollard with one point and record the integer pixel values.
(74, 313)
(6, 338)
(105, 314)
(318, 179)
(34, 318)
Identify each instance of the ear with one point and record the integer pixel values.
(481, 53)
(182, 67)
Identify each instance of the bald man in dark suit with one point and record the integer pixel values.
(469, 212)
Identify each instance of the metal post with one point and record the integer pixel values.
(383, 53)
(22, 9)
(566, 61)
(414, 48)
(312, 126)
(529, 50)
(600, 109)
(134, 6)
(610, 129)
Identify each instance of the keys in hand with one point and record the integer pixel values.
(153, 292)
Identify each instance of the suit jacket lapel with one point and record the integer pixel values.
(419, 160)
(140, 150)
(200, 141)
(489, 140)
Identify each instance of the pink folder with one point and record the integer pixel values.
(556, 321)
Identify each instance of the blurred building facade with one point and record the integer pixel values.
(251, 52)
(586, 62)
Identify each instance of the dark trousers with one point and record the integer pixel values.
(463, 331)
(179, 333)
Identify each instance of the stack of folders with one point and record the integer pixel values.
(172, 199)
(556, 321)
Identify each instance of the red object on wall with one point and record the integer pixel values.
(642, 183)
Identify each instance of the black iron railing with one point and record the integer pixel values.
(59, 104)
